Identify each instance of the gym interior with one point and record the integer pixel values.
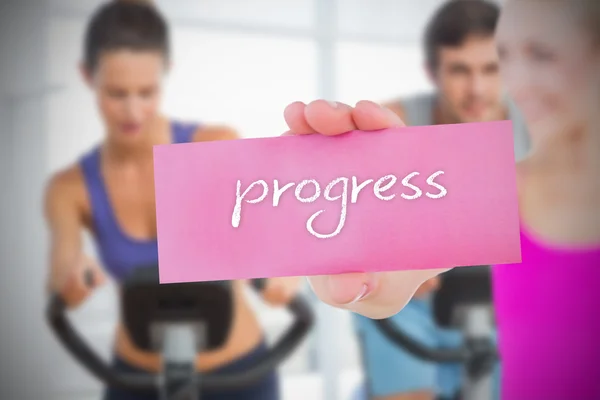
(234, 62)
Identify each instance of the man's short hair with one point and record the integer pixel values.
(455, 21)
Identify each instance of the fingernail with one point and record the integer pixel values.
(361, 295)
(333, 104)
(394, 117)
(349, 288)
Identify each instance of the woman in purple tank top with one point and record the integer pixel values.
(110, 192)
(547, 306)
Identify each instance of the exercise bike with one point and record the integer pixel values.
(178, 321)
(464, 303)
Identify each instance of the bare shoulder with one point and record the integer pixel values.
(208, 133)
(68, 179)
(65, 189)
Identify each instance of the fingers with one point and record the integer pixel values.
(369, 116)
(75, 291)
(91, 274)
(81, 281)
(334, 118)
(329, 118)
(99, 275)
(320, 116)
(295, 119)
(376, 295)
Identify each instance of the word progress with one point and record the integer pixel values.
(381, 186)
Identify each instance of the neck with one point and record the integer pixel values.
(576, 152)
(141, 150)
(443, 116)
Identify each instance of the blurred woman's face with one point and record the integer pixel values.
(548, 60)
(128, 92)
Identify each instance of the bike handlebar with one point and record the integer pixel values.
(479, 355)
(303, 322)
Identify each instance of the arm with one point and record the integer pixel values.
(64, 220)
(210, 133)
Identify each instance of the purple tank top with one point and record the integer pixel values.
(549, 323)
(120, 253)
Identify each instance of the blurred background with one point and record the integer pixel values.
(234, 62)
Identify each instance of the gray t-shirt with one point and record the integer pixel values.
(419, 111)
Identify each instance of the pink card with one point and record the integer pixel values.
(409, 198)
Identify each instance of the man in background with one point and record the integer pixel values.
(462, 63)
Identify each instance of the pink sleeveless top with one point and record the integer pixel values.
(548, 313)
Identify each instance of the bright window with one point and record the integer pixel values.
(241, 80)
(379, 72)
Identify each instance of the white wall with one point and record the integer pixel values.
(238, 62)
(25, 347)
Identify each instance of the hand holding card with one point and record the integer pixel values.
(375, 294)
(398, 200)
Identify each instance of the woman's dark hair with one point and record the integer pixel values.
(125, 25)
(455, 21)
